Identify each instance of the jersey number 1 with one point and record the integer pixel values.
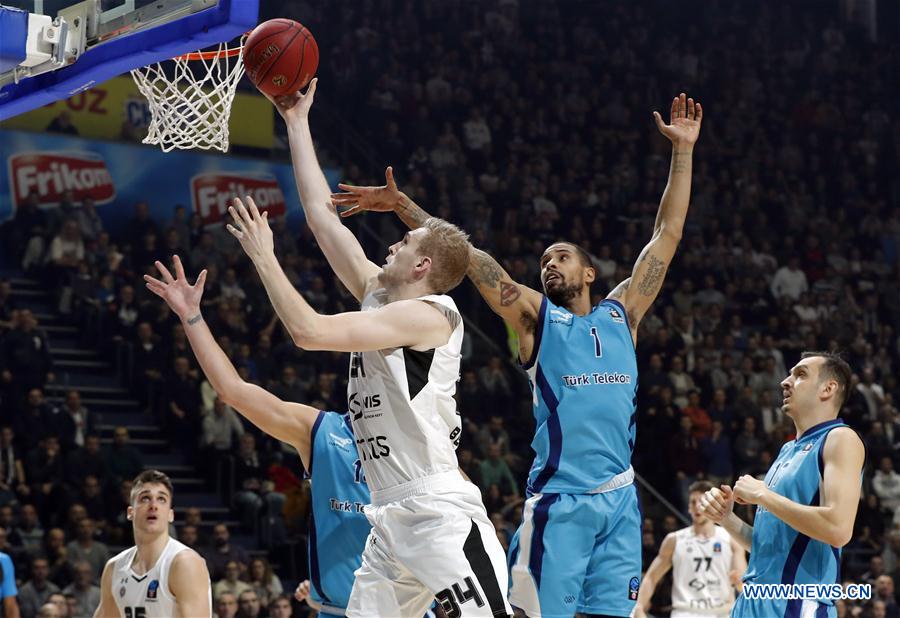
(135, 612)
(598, 348)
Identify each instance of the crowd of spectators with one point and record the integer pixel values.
(525, 122)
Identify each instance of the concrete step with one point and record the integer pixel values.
(81, 366)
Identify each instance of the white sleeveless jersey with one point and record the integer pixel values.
(401, 404)
(700, 566)
(147, 595)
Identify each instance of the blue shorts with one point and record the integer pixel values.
(771, 608)
(577, 553)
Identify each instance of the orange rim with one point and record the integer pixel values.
(210, 55)
(213, 55)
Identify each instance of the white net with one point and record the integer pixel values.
(190, 98)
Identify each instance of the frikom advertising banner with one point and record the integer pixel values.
(116, 110)
(118, 176)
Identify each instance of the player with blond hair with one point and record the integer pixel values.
(431, 536)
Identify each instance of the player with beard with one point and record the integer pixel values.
(579, 545)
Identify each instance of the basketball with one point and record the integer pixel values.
(280, 56)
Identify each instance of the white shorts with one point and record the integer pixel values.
(431, 540)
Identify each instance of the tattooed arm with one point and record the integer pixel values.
(639, 291)
(517, 304)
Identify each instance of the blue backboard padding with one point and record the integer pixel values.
(14, 30)
(225, 21)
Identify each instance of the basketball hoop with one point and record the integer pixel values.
(190, 97)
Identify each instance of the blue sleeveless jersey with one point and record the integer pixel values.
(338, 529)
(584, 381)
(781, 555)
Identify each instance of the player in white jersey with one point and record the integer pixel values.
(158, 577)
(706, 566)
(431, 537)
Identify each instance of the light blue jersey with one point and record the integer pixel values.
(338, 528)
(578, 548)
(781, 555)
(584, 380)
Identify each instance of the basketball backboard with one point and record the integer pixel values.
(99, 39)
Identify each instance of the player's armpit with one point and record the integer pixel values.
(517, 304)
(400, 324)
(189, 584)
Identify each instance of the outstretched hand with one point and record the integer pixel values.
(251, 229)
(379, 199)
(295, 106)
(684, 121)
(182, 297)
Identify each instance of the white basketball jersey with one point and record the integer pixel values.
(700, 566)
(147, 595)
(401, 404)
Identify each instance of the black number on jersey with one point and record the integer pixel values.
(373, 448)
(135, 612)
(450, 605)
(698, 562)
(598, 348)
(359, 476)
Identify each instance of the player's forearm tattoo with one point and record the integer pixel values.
(194, 320)
(680, 161)
(412, 214)
(509, 293)
(484, 270)
(649, 285)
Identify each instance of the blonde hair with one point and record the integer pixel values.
(448, 247)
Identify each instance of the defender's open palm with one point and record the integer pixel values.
(252, 229)
(684, 121)
(379, 199)
(181, 296)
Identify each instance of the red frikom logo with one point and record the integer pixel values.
(212, 193)
(51, 174)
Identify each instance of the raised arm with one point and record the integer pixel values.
(656, 571)
(189, 584)
(289, 422)
(340, 246)
(409, 323)
(832, 520)
(517, 304)
(638, 292)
